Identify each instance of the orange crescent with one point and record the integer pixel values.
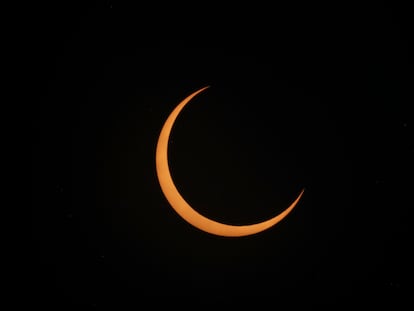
(183, 208)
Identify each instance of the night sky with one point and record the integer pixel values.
(301, 96)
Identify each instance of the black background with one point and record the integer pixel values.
(310, 96)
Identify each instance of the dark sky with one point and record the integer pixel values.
(301, 96)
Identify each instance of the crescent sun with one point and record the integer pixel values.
(179, 204)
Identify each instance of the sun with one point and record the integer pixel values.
(180, 205)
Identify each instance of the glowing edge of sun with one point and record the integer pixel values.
(179, 204)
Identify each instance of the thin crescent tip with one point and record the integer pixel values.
(200, 90)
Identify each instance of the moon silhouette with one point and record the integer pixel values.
(183, 209)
